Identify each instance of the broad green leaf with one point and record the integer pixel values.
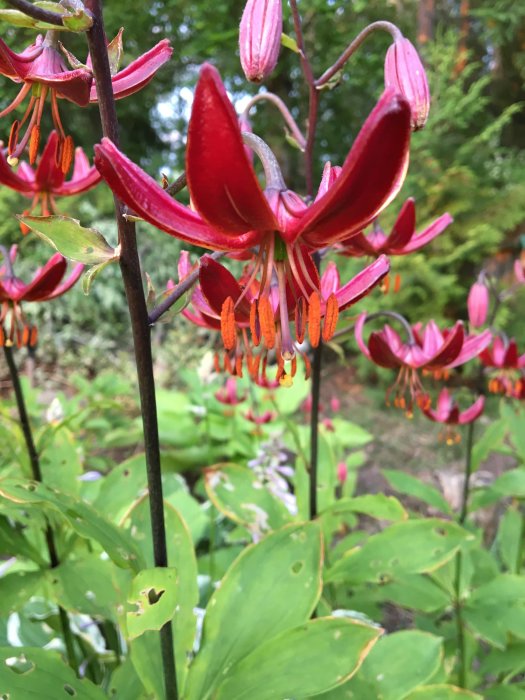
(508, 539)
(85, 586)
(124, 484)
(242, 496)
(289, 43)
(511, 483)
(410, 547)
(61, 464)
(350, 435)
(17, 589)
(510, 660)
(83, 518)
(27, 673)
(442, 692)
(412, 486)
(13, 541)
(415, 592)
(307, 660)
(401, 662)
(326, 472)
(497, 609)
(505, 692)
(376, 505)
(84, 245)
(490, 441)
(273, 585)
(146, 657)
(153, 595)
(181, 556)
(125, 683)
(514, 418)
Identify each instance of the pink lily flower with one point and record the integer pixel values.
(402, 240)
(504, 358)
(447, 412)
(427, 349)
(405, 72)
(41, 70)
(261, 419)
(478, 303)
(233, 213)
(47, 181)
(519, 271)
(228, 393)
(46, 284)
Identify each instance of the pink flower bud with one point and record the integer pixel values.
(335, 404)
(519, 271)
(404, 71)
(260, 37)
(478, 303)
(342, 472)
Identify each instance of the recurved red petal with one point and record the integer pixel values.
(48, 176)
(421, 239)
(450, 349)
(221, 179)
(83, 179)
(381, 353)
(404, 226)
(140, 192)
(45, 281)
(217, 284)
(67, 283)
(472, 347)
(138, 73)
(371, 176)
(15, 65)
(362, 283)
(16, 181)
(473, 412)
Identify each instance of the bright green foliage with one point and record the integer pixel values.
(288, 665)
(152, 599)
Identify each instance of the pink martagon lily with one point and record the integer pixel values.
(233, 213)
(47, 284)
(447, 410)
(48, 181)
(402, 240)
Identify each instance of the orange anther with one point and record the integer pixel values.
(300, 319)
(294, 366)
(228, 363)
(216, 363)
(25, 336)
(314, 319)
(2, 337)
(331, 318)
(228, 333)
(13, 137)
(33, 337)
(385, 285)
(397, 283)
(34, 142)
(67, 154)
(255, 327)
(307, 367)
(238, 365)
(267, 322)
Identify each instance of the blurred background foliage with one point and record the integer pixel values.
(469, 160)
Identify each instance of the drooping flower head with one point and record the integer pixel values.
(405, 72)
(48, 181)
(46, 284)
(427, 348)
(281, 285)
(447, 411)
(508, 365)
(42, 71)
(260, 37)
(403, 238)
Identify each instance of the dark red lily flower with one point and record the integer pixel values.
(139, 72)
(503, 357)
(48, 180)
(46, 284)
(427, 349)
(233, 213)
(402, 239)
(447, 412)
(228, 393)
(42, 70)
(260, 419)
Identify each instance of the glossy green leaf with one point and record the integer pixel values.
(412, 486)
(442, 692)
(84, 245)
(153, 597)
(60, 462)
(146, 657)
(497, 609)
(401, 662)
(508, 539)
(490, 441)
(27, 673)
(244, 498)
(122, 487)
(17, 588)
(410, 547)
(274, 585)
(376, 505)
(83, 518)
(307, 660)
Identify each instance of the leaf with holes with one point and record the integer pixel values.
(410, 547)
(273, 586)
(244, 498)
(154, 597)
(306, 660)
(83, 518)
(27, 673)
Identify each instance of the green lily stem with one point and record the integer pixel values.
(458, 603)
(314, 427)
(140, 327)
(36, 472)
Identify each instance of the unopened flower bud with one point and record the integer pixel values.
(342, 472)
(260, 37)
(478, 303)
(404, 71)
